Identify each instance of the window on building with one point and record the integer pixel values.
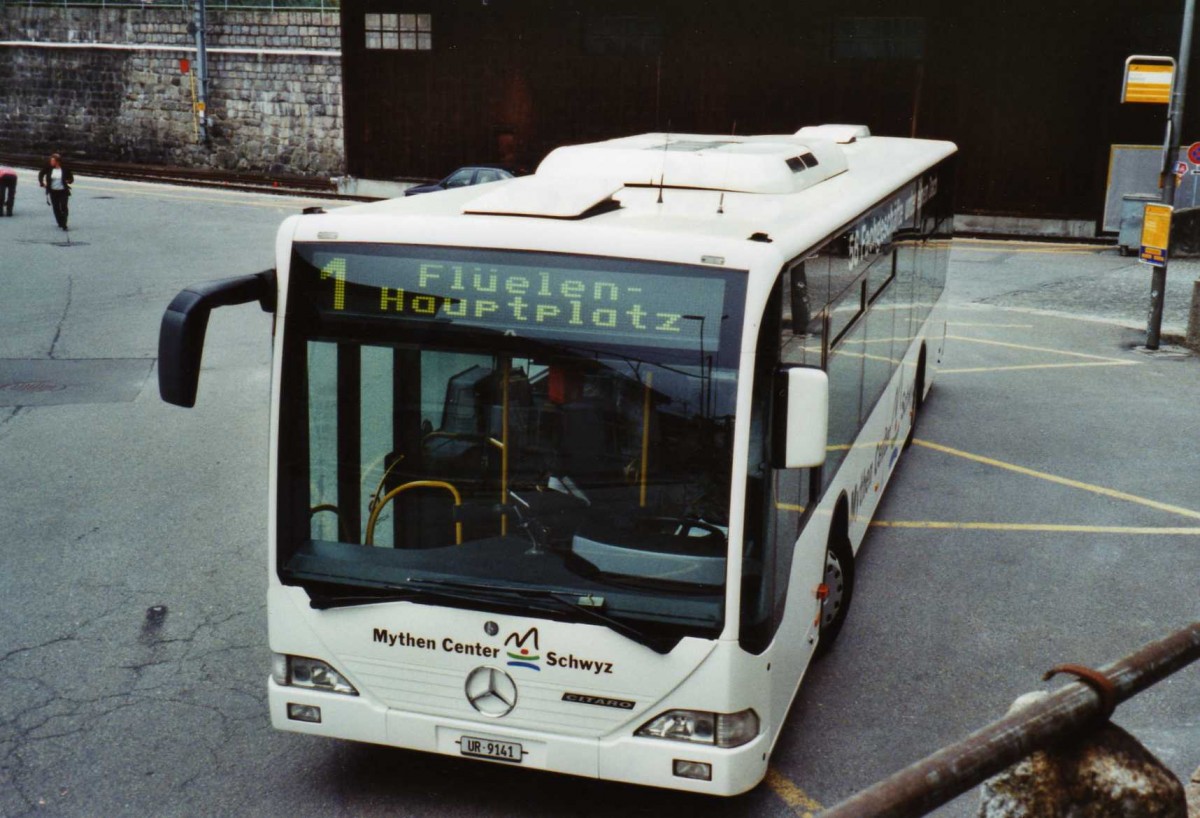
(879, 38)
(383, 31)
(622, 35)
(403, 32)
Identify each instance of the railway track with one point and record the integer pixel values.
(198, 177)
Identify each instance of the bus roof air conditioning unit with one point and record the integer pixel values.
(842, 134)
(741, 164)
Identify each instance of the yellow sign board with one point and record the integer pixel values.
(1148, 79)
(1156, 234)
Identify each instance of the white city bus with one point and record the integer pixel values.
(568, 471)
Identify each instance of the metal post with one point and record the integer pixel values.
(197, 30)
(1067, 712)
(1158, 277)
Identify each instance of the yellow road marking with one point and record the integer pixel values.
(797, 799)
(1041, 313)
(972, 369)
(1037, 527)
(996, 246)
(1064, 481)
(865, 341)
(1027, 348)
(1061, 251)
(991, 326)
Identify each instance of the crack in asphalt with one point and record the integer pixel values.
(63, 318)
(4, 657)
(54, 716)
(10, 417)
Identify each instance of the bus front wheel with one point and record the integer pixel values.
(837, 589)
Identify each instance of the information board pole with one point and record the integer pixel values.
(1158, 276)
(196, 29)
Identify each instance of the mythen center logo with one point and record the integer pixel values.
(523, 650)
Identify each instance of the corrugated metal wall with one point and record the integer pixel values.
(1027, 89)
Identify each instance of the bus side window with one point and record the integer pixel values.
(797, 286)
(802, 316)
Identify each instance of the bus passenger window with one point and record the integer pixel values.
(802, 317)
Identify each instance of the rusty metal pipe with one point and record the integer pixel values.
(953, 770)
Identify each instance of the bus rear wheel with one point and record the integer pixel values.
(837, 589)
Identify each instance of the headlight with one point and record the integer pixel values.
(297, 671)
(699, 727)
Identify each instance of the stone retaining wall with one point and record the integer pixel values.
(105, 83)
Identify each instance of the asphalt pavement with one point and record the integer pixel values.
(1047, 512)
(1080, 281)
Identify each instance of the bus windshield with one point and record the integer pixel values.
(497, 426)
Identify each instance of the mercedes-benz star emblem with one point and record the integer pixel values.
(492, 692)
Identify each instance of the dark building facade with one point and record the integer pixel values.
(1028, 90)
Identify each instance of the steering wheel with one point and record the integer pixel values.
(415, 484)
(468, 436)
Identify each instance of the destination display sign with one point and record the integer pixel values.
(664, 307)
(874, 234)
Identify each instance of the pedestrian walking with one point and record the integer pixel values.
(8, 190)
(57, 179)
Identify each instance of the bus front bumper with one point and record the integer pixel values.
(627, 758)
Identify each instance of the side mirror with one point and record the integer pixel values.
(802, 418)
(181, 334)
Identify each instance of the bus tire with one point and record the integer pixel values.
(838, 581)
(918, 398)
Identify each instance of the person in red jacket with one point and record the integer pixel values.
(8, 190)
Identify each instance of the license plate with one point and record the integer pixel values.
(490, 748)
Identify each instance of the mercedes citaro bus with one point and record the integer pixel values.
(568, 471)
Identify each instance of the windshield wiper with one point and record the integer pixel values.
(587, 570)
(542, 600)
(389, 593)
(549, 600)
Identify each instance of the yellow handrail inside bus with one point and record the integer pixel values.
(374, 501)
(491, 441)
(415, 484)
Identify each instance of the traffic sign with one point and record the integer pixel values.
(1194, 153)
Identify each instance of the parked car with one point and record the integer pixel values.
(462, 177)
